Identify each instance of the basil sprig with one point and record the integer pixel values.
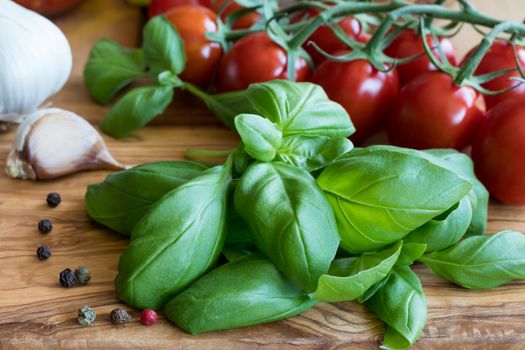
(481, 262)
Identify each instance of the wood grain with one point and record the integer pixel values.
(36, 313)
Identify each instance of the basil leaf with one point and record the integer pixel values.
(176, 242)
(225, 106)
(441, 233)
(312, 152)
(402, 305)
(478, 196)
(241, 160)
(291, 221)
(300, 109)
(481, 262)
(238, 232)
(380, 194)
(350, 278)
(124, 197)
(234, 253)
(260, 136)
(136, 109)
(163, 47)
(410, 252)
(373, 290)
(109, 68)
(241, 293)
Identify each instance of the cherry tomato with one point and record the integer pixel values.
(362, 90)
(432, 112)
(202, 56)
(501, 56)
(256, 58)
(409, 44)
(244, 22)
(499, 152)
(364, 37)
(49, 7)
(158, 7)
(325, 38)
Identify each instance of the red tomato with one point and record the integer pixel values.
(362, 90)
(499, 152)
(244, 22)
(432, 112)
(202, 56)
(49, 7)
(256, 58)
(501, 56)
(364, 37)
(158, 7)
(325, 38)
(409, 44)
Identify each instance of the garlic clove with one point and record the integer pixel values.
(54, 142)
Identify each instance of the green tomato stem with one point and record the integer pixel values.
(468, 69)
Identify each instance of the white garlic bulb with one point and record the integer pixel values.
(54, 142)
(35, 60)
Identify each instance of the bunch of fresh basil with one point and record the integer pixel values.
(301, 217)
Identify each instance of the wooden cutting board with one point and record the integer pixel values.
(35, 312)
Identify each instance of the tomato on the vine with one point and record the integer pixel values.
(202, 55)
(500, 56)
(325, 38)
(364, 91)
(158, 7)
(256, 58)
(499, 152)
(408, 44)
(244, 22)
(433, 112)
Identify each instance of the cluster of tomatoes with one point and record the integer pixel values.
(418, 106)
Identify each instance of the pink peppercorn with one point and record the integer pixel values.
(148, 317)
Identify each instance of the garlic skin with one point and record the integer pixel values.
(35, 60)
(54, 142)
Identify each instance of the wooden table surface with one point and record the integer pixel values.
(35, 312)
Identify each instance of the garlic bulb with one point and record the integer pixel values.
(54, 142)
(35, 60)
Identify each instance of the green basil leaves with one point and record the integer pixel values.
(442, 232)
(176, 242)
(349, 278)
(277, 226)
(481, 262)
(300, 109)
(110, 68)
(260, 136)
(380, 194)
(163, 47)
(241, 293)
(290, 219)
(478, 196)
(124, 197)
(136, 109)
(401, 304)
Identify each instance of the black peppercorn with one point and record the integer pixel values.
(45, 226)
(43, 252)
(119, 316)
(83, 275)
(68, 278)
(53, 199)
